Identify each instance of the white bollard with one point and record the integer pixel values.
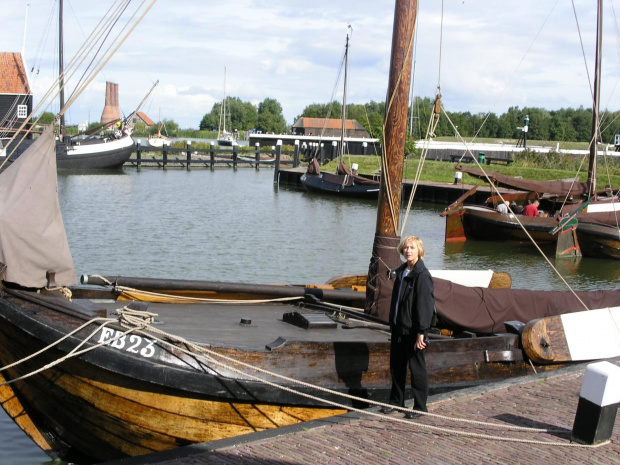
(458, 176)
(598, 404)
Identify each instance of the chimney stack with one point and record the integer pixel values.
(111, 110)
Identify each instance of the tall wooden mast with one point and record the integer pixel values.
(344, 101)
(595, 101)
(61, 72)
(385, 257)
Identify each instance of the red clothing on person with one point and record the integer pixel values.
(530, 210)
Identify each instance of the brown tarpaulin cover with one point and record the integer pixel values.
(385, 258)
(32, 234)
(359, 180)
(546, 187)
(483, 310)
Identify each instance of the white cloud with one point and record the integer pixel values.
(494, 54)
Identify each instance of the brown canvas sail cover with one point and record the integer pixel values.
(566, 188)
(483, 310)
(32, 235)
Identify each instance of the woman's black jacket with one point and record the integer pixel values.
(416, 300)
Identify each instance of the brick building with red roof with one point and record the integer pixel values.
(328, 127)
(15, 93)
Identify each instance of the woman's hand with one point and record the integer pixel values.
(419, 343)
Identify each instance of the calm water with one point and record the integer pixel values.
(227, 225)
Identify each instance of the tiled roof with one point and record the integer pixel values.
(319, 123)
(148, 121)
(13, 78)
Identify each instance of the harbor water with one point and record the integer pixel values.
(236, 225)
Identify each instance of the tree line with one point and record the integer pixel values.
(563, 125)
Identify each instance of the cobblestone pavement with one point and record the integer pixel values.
(546, 402)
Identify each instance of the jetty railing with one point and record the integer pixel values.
(212, 157)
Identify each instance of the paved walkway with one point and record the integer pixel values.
(547, 401)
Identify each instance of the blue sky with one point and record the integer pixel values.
(494, 54)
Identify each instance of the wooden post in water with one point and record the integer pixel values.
(212, 155)
(385, 256)
(334, 153)
(296, 155)
(138, 152)
(165, 154)
(276, 171)
(188, 147)
(235, 156)
(257, 154)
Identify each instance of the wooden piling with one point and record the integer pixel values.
(188, 147)
(138, 152)
(257, 154)
(276, 171)
(296, 155)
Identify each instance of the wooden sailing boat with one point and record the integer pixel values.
(93, 152)
(158, 140)
(129, 366)
(344, 182)
(224, 137)
(591, 234)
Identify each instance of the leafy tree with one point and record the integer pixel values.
(46, 117)
(171, 127)
(210, 121)
(270, 118)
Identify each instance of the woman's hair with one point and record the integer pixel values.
(409, 240)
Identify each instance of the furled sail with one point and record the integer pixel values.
(547, 187)
(33, 240)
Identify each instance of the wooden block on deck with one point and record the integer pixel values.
(309, 320)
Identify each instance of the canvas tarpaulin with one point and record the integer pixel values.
(32, 234)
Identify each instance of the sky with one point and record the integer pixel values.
(485, 55)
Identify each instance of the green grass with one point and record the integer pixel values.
(441, 171)
(530, 143)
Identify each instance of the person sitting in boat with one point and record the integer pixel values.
(518, 209)
(411, 313)
(503, 206)
(531, 209)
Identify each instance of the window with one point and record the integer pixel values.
(22, 111)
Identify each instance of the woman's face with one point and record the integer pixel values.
(411, 252)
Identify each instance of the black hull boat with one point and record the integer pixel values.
(106, 153)
(326, 183)
(484, 223)
(599, 240)
(100, 153)
(343, 184)
(133, 377)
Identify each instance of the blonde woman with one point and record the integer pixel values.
(411, 313)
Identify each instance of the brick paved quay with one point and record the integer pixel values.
(547, 401)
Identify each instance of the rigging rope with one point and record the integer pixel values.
(96, 65)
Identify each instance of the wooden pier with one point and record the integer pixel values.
(214, 156)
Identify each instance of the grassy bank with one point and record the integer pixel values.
(441, 171)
